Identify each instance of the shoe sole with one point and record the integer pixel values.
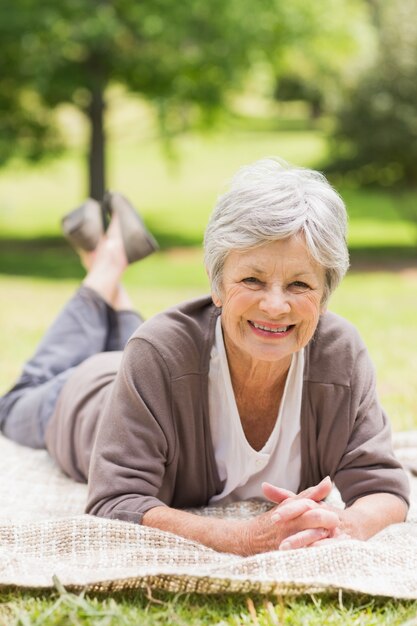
(83, 227)
(137, 240)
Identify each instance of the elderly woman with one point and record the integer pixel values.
(253, 392)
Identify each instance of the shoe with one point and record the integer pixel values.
(84, 226)
(138, 241)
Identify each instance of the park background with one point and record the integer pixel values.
(164, 102)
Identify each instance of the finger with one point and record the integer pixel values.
(292, 509)
(320, 518)
(276, 494)
(329, 507)
(317, 492)
(303, 539)
(310, 514)
(325, 542)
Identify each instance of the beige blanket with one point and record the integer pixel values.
(43, 533)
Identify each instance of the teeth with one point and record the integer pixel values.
(283, 329)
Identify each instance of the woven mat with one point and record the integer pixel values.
(43, 532)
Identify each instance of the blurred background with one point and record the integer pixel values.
(163, 101)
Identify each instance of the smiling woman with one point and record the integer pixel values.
(256, 391)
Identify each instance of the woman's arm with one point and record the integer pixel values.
(370, 514)
(245, 537)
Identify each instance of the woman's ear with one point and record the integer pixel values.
(216, 299)
(214, 295)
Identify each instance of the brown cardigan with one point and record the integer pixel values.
(147, 416)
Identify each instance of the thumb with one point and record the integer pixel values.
(318, 492)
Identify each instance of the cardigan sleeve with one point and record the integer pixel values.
(135, 438)
(368, 464)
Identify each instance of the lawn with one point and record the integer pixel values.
(38, 273)
(145, 609)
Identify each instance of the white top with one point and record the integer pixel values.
(241, 467)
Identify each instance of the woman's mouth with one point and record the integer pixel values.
(270, 329)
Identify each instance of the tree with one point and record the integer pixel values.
(177, 54)
(375, 139)
(184, 57)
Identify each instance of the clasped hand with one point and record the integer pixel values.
(299, 521)
(318, 521)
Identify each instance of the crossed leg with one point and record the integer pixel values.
(98, 318)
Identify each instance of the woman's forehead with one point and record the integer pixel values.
(290, 253)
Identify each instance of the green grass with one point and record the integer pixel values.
(134, 608)
(383, 307)
(377, 219)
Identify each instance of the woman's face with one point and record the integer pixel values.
(271, 300)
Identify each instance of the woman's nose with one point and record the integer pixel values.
(275, 302)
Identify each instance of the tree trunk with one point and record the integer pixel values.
(96, 157)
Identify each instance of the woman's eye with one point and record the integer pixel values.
(251, 280)
(298, 284)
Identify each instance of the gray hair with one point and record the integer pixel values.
(270, 200)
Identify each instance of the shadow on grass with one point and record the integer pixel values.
(383, 258)
(52, 257)
(44, 257)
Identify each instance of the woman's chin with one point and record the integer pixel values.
(270, 353)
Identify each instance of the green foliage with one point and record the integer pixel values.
(185, 57)
(22, 114)
(25, 117)
(330, 47)
(181, 55)
(160, 49)
(375, 139)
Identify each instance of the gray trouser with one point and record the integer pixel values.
(86, 326)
